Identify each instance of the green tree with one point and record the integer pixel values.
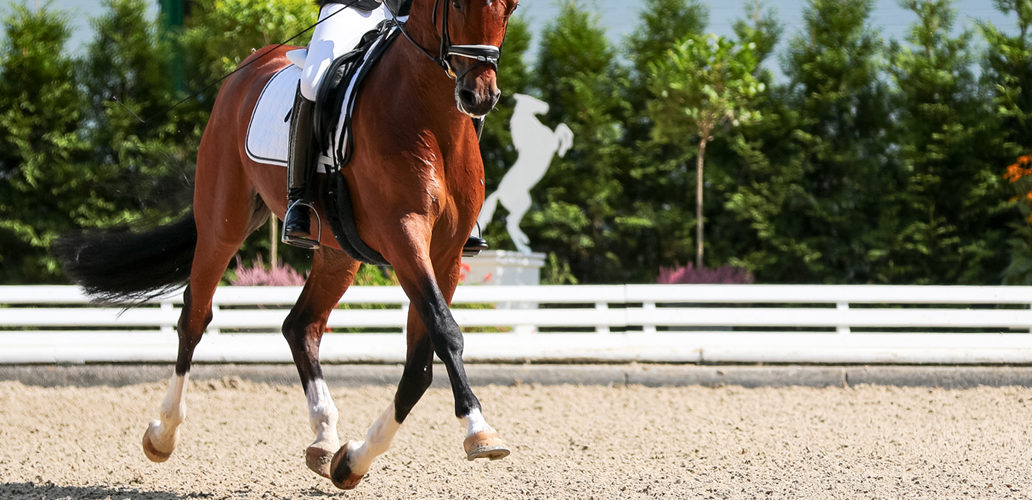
(652, 215)
(47, 188)
(754, 177)
(222, 33)
(835, 70)
(1008, 70)
(760, 28)
(126, 75)
(943, 224)
(662, 24)
(1007, 73)
(701, 86)
(573, 214)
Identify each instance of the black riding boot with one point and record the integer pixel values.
(301, 162)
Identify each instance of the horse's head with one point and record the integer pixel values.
(476, 27)
(470, 33)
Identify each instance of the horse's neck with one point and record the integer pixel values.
(421, 29)
(415, 103)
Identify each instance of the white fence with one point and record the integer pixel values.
(657, 323)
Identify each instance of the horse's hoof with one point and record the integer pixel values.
(485, 444)
(319, 459)
(340, 471)
(153, 454)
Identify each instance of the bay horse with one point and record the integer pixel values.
(417, 178)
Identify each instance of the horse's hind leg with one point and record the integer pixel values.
(332, 273)
(224, 219)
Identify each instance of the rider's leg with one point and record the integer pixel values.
(338, 32)
(301, 162)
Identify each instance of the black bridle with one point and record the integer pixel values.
(483, 54)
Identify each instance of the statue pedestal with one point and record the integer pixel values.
(500, 267)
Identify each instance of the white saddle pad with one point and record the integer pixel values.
(269, 130)
(268, 133)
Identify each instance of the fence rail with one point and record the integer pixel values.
(662, 323)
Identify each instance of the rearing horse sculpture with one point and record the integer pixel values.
(417, 180)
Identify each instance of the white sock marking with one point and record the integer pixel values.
(322, 414)
(475, 423)
(164, 432)
(377, 440)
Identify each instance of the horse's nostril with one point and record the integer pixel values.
(468, 96)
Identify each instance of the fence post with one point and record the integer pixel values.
(602, 307)
(843, 326)
(649, 308)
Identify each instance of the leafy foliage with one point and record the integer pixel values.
(942, 223)
(702, 85)
(1019, 269)
(579, 77)
(868, 162)
(47, 187)
(839, 144)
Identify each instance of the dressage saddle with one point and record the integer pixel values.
(330, 103)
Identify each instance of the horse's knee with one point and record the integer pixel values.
(448, 341)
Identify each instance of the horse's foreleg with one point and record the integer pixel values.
(482, 440)
(430, 287)
(332, 273)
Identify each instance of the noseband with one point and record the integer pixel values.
(483, 54)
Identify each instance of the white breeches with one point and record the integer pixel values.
(333, 38)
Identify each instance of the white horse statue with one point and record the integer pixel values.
(536, 144)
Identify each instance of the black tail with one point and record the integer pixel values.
(129, 268)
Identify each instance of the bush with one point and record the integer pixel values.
(728, 275)
(257, 275)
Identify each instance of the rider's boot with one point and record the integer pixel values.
(301, 161)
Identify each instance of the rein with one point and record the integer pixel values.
(483, 54)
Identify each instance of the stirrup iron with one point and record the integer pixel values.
(306, 243)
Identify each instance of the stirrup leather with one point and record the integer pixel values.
(305, 243)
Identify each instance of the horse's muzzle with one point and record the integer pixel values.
(476, 92)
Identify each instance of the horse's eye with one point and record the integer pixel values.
(456, 4)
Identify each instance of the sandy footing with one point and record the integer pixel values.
(246, 440)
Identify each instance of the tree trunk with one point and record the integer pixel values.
(698, 201)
